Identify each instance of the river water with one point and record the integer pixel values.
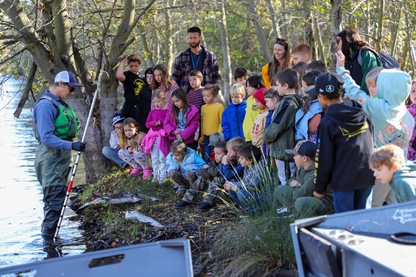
(21, 195)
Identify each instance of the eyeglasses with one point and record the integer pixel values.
(71, 89)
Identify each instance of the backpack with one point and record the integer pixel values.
(387, 61)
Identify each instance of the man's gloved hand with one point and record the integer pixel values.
(78, 146)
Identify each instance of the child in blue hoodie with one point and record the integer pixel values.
(389, 89)
(183, 164)
(233, 115)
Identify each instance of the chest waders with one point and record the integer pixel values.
(74, 169)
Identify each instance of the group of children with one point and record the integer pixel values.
(324, 160)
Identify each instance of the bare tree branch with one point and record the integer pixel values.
(26, 90)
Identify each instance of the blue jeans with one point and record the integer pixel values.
(112, 154)
(247, 200)
(207, 149)
(345, 201)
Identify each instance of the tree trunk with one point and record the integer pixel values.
(225, 46)
(321, 46)
(284, 20)
(169, 37)
(264, 46)
(272, 15)
(315, 54)
(149, 54)
(395, 31)
(380, 25)
(26, 90)
(336, 16)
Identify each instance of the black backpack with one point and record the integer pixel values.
(387, 61)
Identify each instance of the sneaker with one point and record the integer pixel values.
(205, 207)
(175, 186)
(182, 204)
(155, 179)
(135, 171)
(162, 180)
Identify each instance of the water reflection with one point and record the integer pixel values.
(20, 193)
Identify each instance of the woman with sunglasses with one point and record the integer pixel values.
(358, 60)
(281, 60)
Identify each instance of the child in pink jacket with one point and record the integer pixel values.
(156, 142)
(182, 120)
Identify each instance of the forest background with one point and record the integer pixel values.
(40, 38)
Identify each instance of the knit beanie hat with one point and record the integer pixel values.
(117, 117)
(259, 96)
(148, 71)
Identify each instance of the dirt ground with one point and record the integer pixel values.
(105, 227)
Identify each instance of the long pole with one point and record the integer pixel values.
(74, 169)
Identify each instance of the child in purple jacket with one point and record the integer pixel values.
(182, 120)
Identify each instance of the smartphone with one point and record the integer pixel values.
(413, 53)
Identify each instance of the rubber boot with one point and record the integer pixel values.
(147, 173)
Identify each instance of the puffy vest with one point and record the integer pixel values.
(66, 123)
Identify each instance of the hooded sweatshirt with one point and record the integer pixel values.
(392, 121)
(345, 142)
(404, 183)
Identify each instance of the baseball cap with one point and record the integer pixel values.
(215, 137)
(259, 95)
(304, 148)
(309, 90)
(117, 118)
(67, 77)
(327, 83)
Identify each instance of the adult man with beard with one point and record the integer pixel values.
(196, 57)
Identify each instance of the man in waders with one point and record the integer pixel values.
(55, 126)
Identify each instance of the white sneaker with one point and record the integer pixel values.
(155, 179)
(162, 180)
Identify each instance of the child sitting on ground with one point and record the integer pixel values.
(207, 174)
(116, 141)
(298, 193)
(246, 193)
(389, 167)
(183, 164)
(230, 169)
(132, 152)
